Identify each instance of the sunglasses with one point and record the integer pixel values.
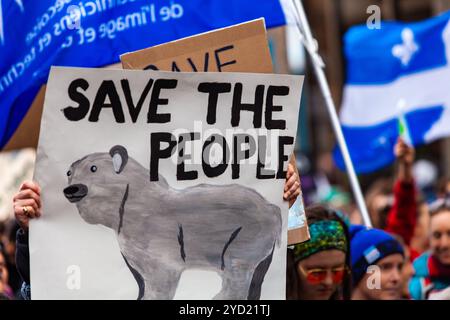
(318, 275)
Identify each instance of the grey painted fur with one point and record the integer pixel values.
(230, 229)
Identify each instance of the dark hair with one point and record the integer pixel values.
(314, 214)
(12, 227)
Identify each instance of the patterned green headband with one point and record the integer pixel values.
(325, 235)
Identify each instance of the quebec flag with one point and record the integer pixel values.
(404, 64)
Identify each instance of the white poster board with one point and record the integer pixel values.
(131, 208)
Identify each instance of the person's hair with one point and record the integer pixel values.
(316, 213)
(12, 227)
(440, 205)
(399, 239)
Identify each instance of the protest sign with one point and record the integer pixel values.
(238, 48)
(149, 178)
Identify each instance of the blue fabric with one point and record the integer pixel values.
(372, 147)
(25, 291)
(35, 35)
(416, 288)
(369, 57)
(368, 246)
(376, 58)
(417, 285)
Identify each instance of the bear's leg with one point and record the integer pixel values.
(235, 283)
(162, 283)
(254, 292)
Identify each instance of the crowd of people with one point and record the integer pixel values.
(405, 255)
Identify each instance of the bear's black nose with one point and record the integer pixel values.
(75, 192)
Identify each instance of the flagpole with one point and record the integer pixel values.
(311, 46)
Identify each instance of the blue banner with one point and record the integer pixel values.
(35, 35)
(399, 69)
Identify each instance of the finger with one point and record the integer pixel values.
(32, 212)
(31, 185)
(39, 212)
(409, 149)
(294, 191)
(30, 204)
(403, 146)
(28, 194)
(295, 194)
(287, 194)
(295, 186)
(290, 182)
(401, 149)
(25, 215)
(290, 171)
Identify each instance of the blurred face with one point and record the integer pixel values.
(385, 283)
(440, 236)
(446, 189)
(379, 208)
(421, 239)
(321, 274)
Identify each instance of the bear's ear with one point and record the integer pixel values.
(119, 157)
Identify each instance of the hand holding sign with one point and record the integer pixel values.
(27, 204)
(292, 186)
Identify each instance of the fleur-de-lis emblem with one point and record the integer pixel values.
(405, 50)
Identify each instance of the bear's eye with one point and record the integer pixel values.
(69, 173)
(93, 168)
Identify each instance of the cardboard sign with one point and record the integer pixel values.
(239, 48)
(297, 224)
(166, 182)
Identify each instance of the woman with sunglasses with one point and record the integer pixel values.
(319, 269)
(432, 269)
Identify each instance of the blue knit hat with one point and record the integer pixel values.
(368, 246)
